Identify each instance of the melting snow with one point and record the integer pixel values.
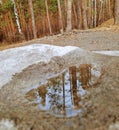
(110, 53)
(16, 59)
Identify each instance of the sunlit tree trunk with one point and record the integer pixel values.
(75, 14)
(100, 13)
(89, 13)
(48, 17)
(103, 12)
(95, 13)
(17, 18)
(21, 13)
(60, 16)
(69, 16)
(109, 9)
(84, 17)
(33, 19)
(79, 18)
(106, 9)
(116, 12)
(92, 12)
(65, 6)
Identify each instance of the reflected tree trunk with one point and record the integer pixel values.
(72, 71)
(85, 73)
(63, 85)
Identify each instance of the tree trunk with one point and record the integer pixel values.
(106, 9)
(84, 17)
(116, 12)
(33, 19)
(89, 13)
(17, 18)
(100, 13)
(79, 20)
(92, 11)
(48, 17)
(60, 16)
(65, 8)
(103, 12)
(75, 15)
(95, 14)
(69, 15)
(109, 9)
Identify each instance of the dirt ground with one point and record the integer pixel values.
(100, 106)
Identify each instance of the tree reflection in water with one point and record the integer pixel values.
(62, 93)
(85, 75)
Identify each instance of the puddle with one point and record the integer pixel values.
(61, 95)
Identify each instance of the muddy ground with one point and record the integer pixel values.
(100, 107)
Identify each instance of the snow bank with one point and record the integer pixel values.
(16, 59)
(110, 53)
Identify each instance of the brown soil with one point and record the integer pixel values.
(100, 107)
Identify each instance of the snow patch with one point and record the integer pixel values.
(5, 124)
(110, 53)
(16, 59)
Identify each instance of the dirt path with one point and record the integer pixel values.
(100, 106)
(95, 39)
(89, 40)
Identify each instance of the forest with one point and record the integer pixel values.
(59, 64)
(23, 20)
